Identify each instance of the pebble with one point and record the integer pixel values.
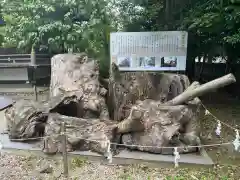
(46, 169)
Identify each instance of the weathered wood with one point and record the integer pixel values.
(154, 110)
(27, 118)
(153, 124)
(82, 134)
(125, 88)
(77, 73)
(203, 89)
(193, 86)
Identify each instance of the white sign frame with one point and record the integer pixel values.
(149, 51)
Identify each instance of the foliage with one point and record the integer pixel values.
(1, 27)
(213, 26)
(56, 25)
(59, 26)
(78, 162)
(84, 25)
(209, 22)
(1, 35)
(216, 22)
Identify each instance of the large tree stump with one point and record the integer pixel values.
(156, 125)
(128, 87)
(174, 123)
(76, 72)
(28, 120)
(77, 98)
(150, 110)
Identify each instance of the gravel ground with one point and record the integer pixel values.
(227, 166)
(29, 168)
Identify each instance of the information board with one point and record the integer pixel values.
(149, 51)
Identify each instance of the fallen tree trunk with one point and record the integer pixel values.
(190, 94)
(82, 134)
(27, 119)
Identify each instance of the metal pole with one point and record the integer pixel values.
(64, 149)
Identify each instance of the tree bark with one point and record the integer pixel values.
(134, 122)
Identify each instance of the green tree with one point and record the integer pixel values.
(55, 24)
(1, 27)
(60, 26)
(84, 25)
(213, 25)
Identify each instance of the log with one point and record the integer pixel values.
(27, 118)
(82, 134)
(203, 89)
